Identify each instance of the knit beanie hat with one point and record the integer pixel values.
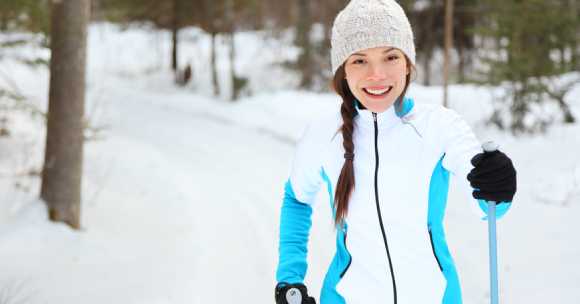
(365, 24)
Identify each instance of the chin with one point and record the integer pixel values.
(377, 108)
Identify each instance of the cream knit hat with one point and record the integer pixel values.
(365, 24)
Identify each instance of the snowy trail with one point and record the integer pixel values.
(181, 205)
(203, 160)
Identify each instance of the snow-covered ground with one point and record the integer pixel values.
(182, 192)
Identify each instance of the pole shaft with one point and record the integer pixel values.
(492, 252)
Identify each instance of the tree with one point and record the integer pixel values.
(428, 22)
(303, 28)
(448, 46)
(172, 15)
(428, 31)
(26, 16)
(212, 25)
(525, 36)
(175, 23)
(219, 18)
(62, 171)
(466, 13)
(225, 18)
(323, 13)
(29, 15)
(231, 13)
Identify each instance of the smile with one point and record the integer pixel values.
(378, 92)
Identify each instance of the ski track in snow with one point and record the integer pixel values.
(213, 156)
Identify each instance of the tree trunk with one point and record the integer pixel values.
(429, 44)
(62, 171)
(303, 41)
(427, 65)
(519, 107)
(448, 46)
(559, 96)
(174, 35)
(234, 77)
(563, 64)
(232, 49)
(575, 56)
(461, 54)
(216, 88)
(568, 116)
(575, 60)
(3, 22)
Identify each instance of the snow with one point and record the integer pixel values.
(182, 191)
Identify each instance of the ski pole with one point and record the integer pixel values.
(489, 147)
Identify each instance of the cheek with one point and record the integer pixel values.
(351, 84)
(401, 76)
(352, 79)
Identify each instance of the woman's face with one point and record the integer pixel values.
(376, 76)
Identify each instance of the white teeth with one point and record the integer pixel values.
(377, 92)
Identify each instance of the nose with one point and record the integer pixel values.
(376, 72)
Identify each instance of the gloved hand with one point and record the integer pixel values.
(493, 177)
(292, 294)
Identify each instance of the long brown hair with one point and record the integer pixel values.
(346, 182)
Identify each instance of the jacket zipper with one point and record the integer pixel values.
(379, 208)
(349, 258)
(433, 248)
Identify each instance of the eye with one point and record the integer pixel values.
(358, 61)
(392, 57)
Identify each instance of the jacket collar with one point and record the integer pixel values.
(389, 117)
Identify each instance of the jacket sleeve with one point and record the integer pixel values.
(295, 223)
(295, 217)
(460, 145)
(306, 174)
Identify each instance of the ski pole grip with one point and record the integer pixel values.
(489, 146)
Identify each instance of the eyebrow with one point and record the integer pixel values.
(385, 51)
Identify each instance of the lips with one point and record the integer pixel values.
(377, 91)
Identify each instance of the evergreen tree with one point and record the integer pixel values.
(526, 37)
(28, 15)
(24, 16)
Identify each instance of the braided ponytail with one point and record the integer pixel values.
(346, 181)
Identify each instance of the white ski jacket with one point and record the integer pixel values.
(392, 248)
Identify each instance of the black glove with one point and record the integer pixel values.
(493, 178)
(292, 294)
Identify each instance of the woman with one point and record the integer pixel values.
(382, 153)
